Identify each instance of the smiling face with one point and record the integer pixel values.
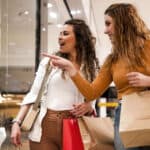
(109, 27)
(67, 40)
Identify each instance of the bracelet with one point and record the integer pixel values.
(16, 121)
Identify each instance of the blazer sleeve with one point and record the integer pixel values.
(33, 93)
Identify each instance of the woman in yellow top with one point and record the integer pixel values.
(128, 65)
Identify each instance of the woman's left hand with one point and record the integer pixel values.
(82, 109)
(137, 79)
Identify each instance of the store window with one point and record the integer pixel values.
(17, 45)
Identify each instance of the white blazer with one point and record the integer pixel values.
(35, 133)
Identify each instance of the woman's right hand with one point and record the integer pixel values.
(62, 63)
(16, 134)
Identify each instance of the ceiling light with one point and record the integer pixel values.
(43, 29)
(49, 5)
(26, 12)
(78, 11)
(59, 25)
(53, 15)
(73, 12)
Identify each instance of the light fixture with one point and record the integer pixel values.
(53, 15)
(59, 25)
(75, 12)
(43, 29)
(25, 12)
(49, 5)
(78, 11)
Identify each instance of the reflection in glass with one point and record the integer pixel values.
(17, 45)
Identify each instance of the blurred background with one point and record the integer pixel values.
(29, 27)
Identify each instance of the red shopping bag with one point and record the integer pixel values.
(71, 135)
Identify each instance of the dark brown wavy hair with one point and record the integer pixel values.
(130, 34)
(86, 55)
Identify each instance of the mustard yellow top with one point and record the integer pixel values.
(117, 73)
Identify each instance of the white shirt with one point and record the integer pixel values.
(62, 93)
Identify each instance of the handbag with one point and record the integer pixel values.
(135, 119)
(30, 119)
(71, 135)
(34, 110)
(97, 133)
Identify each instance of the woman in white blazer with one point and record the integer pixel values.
(61, 99)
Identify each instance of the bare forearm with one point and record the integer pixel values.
(23, 111)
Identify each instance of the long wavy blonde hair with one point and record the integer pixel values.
(130, 34)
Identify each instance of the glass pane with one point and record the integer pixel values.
(57, 14)
(17, 45)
